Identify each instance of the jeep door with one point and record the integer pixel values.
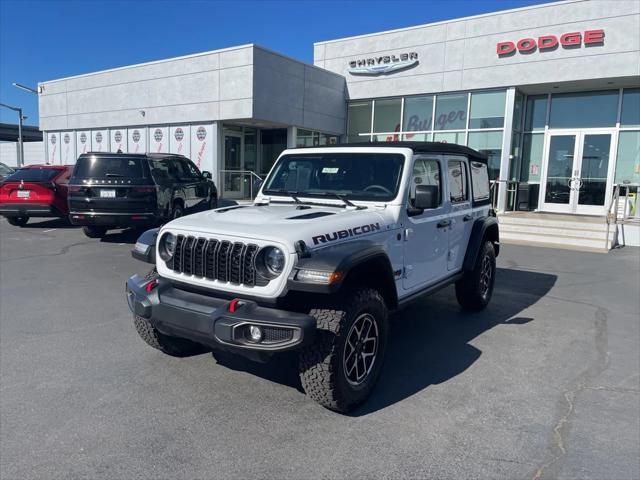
(426, 233)
(460, 213)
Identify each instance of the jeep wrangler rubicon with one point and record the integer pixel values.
(337, 238)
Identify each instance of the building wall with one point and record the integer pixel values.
(461, 54)
(293, 93)
(33, 153)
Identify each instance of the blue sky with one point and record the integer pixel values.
(48, 39)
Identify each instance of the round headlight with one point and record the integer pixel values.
(270, 262)
(167, 246)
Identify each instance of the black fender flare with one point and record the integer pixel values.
(145, 247)
(485, 228)
(343, 258)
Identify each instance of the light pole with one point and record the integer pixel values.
(20, 118)
(19, 110)
(25, 88)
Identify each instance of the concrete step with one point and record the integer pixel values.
(555, 241)
(552, 223)
(559, 232)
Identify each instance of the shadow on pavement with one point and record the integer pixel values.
(48, 223)
(128, 235)
(428, 341)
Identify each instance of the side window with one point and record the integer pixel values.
(480, 181)
(425, 172)
(161, 170)
(458, 186)
(190, 169)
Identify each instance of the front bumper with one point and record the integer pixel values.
(109, 219)
(29, 210)
(210, 321)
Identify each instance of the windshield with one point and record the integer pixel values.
(4, 170)
(355, 176)
(93, 166)
(33, 175)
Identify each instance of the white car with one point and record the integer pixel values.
(337, 238)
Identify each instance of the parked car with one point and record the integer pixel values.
(5, 171)
(337, 239)
(117, 190)
(35, 191)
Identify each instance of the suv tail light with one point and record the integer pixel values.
(144, 189)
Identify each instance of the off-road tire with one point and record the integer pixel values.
(321, 365)
(18, 221)
(176, 347)
(472, 291)
(94, 232)
(178, 211)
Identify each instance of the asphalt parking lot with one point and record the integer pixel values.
(543, 384)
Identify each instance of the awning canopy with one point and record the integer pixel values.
(9, 133)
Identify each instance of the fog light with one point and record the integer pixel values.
(255, 333)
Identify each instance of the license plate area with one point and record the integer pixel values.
(24, 193)
(107, 193)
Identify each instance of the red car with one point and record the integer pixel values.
(35, 191)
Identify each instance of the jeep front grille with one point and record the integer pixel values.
(220, 260)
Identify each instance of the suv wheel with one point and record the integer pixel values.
(94, 232)
(474, 290)
(178, 211)
(18, 221)
(342, 366)
(176, 347)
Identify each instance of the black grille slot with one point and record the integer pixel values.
(276, 335)
(217, 260)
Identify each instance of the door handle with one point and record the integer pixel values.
(443, 223)
(466, 218)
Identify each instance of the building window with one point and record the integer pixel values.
(386, 116)
(489, 143)
(628, 160)
(630, 116)
(359, 121)
(584, 110)
(451, 112)
(418, 114)
(450, 137)
(487, 110)
(272, 143)
(536, 114)
(532, 147)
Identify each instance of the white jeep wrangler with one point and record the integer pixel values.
(337, 239)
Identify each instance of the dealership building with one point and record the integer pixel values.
(551, 93)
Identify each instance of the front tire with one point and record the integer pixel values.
(18, 221)
(178, 211)
(475, 289)
(340, 369)
(94, 232)
(173, 346)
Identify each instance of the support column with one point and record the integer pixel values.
(506, 150)
(292, 133)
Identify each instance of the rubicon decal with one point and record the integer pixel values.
(551, 42)
(350, 232)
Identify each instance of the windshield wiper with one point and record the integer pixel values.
(290, 193)
(346, 201)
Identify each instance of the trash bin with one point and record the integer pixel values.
(522, 199)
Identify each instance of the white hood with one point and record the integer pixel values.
(316, 225)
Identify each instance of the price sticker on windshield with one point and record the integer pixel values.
(330, 170)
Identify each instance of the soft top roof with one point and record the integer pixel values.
(417, 147)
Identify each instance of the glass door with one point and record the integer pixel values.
(577, 177)
(232, 183)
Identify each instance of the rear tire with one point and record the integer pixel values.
(340, 369)
(474, 290)
(173, 346)
(18, 221)
(177, 212)
(94, 232)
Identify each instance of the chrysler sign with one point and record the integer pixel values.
(383, 64)
(551, 42)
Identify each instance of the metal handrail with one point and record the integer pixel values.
(253, 176)
(613, 212)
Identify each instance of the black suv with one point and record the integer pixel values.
(118, 190)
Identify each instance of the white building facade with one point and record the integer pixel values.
(551, 93)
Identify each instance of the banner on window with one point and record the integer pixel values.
(159, 139)
(53, 148)
(83, 141)
(68, 148)
(180, 140)
(118, 140)
(137, 140)
(202, 147)
(100, 140)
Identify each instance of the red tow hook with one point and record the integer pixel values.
(234, 305)
(151, 285)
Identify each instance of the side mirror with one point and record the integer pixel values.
(206, 175)
(427, 197)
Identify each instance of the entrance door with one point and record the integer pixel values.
(577, 177)
(232, 183)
